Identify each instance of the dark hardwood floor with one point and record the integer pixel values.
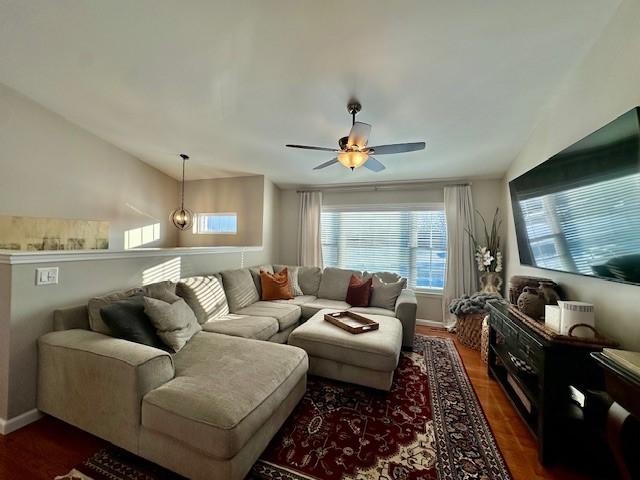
(514, 439)
(49, 447)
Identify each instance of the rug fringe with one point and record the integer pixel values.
(73, 475)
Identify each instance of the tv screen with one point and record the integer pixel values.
(579, 211)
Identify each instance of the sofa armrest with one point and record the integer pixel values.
(70, 318)
(97, 382)
(406, 307)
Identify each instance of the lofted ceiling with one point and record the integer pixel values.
(231, 82)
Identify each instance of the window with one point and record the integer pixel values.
(212, 223)
(410, 240)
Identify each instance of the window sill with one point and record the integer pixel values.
(428, 292)
(13, 257)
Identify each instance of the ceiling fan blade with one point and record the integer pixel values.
(374, 165)
(326, 164)
(308, 147)
(359, 135)
(397, 148)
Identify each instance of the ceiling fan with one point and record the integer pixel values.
(354, 151)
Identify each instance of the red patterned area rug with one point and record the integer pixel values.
(430, 426)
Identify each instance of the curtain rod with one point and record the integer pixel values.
(381, 187)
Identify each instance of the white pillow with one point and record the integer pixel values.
(175, 323)
(385, 294)
(292, 276)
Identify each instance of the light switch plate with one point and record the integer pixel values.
(47, 276)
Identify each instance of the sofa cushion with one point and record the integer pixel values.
(127, 320)
(301, 300)
(255, 274)
(311, 308)
(165, 291)
(375, 350)
(286, 314)
(275, 286)
(385, 294)
(335, 282)
(225, 389)
(308, 278)
(175, 322)
(205, 296)
(373, 311)
(240, 289)
(259, 328)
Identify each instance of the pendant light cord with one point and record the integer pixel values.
(182, 200)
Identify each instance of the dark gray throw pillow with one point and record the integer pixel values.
(127, 320)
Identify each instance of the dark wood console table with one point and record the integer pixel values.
(535, 370)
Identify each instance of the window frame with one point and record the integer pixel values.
(396, 207)
(196, 216)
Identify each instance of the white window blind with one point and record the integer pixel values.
(211, 223)
(410, 240)
(583, 227)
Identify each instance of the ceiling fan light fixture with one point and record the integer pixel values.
(353, 160)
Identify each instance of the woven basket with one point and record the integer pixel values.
(469, 329)
(484, 340)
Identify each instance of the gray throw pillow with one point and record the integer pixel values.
(175, 323)
(96, 323)
(165, 290)
(385, 295)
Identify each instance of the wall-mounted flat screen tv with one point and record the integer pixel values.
(579, 212)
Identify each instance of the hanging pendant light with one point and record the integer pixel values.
(182, 217)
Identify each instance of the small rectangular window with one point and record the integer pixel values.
(215, 223)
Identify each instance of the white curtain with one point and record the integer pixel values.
(309, 240)
(461, 276)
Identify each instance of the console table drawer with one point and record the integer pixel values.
(530, 349)
(510, 333)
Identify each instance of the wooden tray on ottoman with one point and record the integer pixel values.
(351, 322)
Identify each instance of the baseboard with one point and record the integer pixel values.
(15, 423)
(429, 323)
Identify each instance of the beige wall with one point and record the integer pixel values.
(26, 310)
(49, 167)
(52, 168)
(486, 195)
(605, 85)
(240, 195)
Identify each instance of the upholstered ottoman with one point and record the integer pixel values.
(367, 359)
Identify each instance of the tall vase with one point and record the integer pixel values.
(490, 282)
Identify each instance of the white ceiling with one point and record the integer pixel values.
(231, 82)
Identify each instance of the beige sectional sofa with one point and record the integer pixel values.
(209, 410)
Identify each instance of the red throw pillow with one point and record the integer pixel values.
(359, 292)
(275, 286)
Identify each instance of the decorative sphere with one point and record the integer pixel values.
(182, 218)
